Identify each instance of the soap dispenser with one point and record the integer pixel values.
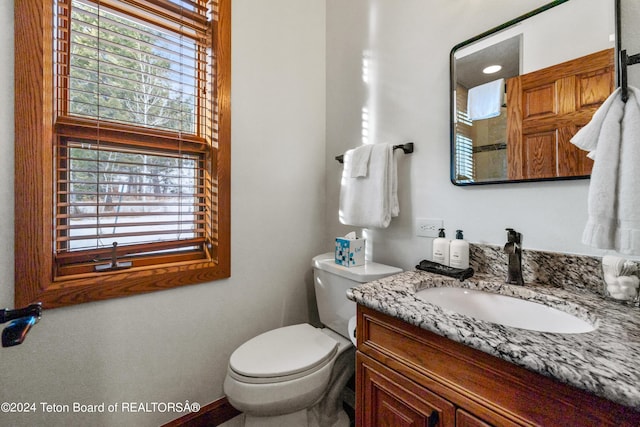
(459, 252)
(441, 248)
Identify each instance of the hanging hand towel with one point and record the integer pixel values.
(485, 101)
(370, 201)
(587, 137)
(613, 140)
(628, 233)
(360, 160)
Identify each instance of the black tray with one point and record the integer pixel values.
(434, 267)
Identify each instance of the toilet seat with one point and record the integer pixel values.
(282, 354)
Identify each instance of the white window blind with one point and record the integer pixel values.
(463, 144)
(135, 130)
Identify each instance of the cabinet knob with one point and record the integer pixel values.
(433, 419)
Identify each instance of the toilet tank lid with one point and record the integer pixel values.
(363, 273)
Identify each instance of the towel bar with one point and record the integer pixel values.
(406, 148)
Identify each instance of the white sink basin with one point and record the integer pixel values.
(505, 310)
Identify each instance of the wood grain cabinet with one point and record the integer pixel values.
(465, 419)
(390, 399)
(408, 376)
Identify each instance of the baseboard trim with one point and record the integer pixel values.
(213, 414)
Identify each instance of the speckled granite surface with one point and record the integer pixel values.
(551, 268)
(604, 362)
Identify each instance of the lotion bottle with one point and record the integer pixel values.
(441, 248)
(459, 252)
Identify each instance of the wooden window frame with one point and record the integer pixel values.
(35, 278)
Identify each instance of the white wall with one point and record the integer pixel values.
(577, 28)
(574, 29)
(402, 48)
(174, 345)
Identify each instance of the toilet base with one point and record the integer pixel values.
(328, 412)
(303, 418)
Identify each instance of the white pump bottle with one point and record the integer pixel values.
(459, 252)
(441, 248)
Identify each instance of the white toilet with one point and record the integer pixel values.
(294, 376)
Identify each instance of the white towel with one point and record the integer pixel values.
(360, 161)
(485, 101)
(613, 139)
(370, 201)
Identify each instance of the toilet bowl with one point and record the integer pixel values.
(294, 375)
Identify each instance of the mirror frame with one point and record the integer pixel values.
(452, 100)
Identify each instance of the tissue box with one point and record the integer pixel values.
(349, 252)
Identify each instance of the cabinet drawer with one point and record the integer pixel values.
(386, 398)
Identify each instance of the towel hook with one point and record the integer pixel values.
(624, 61)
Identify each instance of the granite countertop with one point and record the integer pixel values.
(603, 362)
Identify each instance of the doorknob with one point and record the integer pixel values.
(433, 419)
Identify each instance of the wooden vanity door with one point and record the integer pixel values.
(546, 108)
(386, 398)
(465, 419)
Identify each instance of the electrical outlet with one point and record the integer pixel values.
(428, 227)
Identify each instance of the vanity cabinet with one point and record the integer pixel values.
(408, 376)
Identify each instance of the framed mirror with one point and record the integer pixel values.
(520, 91)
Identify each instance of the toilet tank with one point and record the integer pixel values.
(331, 284)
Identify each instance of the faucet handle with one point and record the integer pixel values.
(513, 236)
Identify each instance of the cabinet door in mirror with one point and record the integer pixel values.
(520, 91)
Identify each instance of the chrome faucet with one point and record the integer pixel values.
(513, 248)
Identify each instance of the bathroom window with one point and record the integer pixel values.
(122, 147)
(464, 141)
